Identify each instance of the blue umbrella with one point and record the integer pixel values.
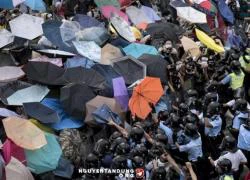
(66, 121)
(37, 5)
(87, 21)
(225, 11)
(46, 158)
(64, 169)
(9, 4)
(79, 61)
(136, 50)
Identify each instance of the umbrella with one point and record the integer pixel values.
(37, 5)
(122, 28)
(68, 30)
(64, 169)
(96, 102)
(150, 13)
(10, 149)
(55, 61)
(192, 15)
(46, 158)
(10, 4)
(107, 12)
(87, 21)
(83, 75)
(130, 69)
(207, 7)
(110, 52)
(88, 49)
(66, 121)
(79, 61)
(120, 92)
(73, 98)
(101, 3)
(23, 133)
(136, 50)
(56, 53)
(6, 59)
(2, 164)
(44, 72)
(16, 170)
(209, 42)
(41, 112)
(7, 113)
(137, 16)
(10, 73)
(6, 37)
(148, 91)
(34, 93)
(156, 66)
(204, 27)
(27, 26)
(43, 127)
(190, 46)
(225, 11)
(178, 3)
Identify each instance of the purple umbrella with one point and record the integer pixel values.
(120, 92)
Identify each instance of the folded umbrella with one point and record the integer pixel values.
(191, 15)
(190, 46)
(55, 53)
(136, 50)
(64, 169)
(55, 61)
(110, 52)
(7, 59)
(10, 73)
(130, 69)
(46, 158)
(37, 5)
(73, 98)
(148, 91)
(23, 133)
(6, 37)
(107, 12)
(27, 26)
(79, 61)
(101, 3)
(41, 112)
(87, 21)
(10, 4)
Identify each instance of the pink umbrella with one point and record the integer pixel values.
(108, 10)
(55, 61)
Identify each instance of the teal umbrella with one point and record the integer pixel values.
(46, 158)
(136, 50)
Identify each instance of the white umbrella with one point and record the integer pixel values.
(10, 73)
(192, 15)
(6, 37)
(56, 52)
(27, 26)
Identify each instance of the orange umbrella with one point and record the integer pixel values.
(148, 91)
(24, 133)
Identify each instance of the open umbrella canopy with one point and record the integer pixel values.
(7, 113)
(55, 61)
(79, 61)
(73, 98)
(41, 112)
(208, 41)
(64, 169)
(68, 31)
(10, 73)
(107, 12)
(136, 50)
(87, 21)
(137, 16)
(148, 91)
(110, 52)
(7, 59)
(192, 15)
(101, 3)
(190, 46)
(41, 126)
(37, 5)
(156, 66)
(24, 22)
(225, 11)
(66, 121)
(16, 170)
(6, 37)
(46, 158)
(130, 69)
(9, 4)
(23, 133)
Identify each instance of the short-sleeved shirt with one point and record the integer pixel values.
(238, 119)
(216, 122)
(244, 138)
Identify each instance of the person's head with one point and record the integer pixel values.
(235, 67)
(136, 134)
(101, 147)
(122, 149)
(190, 118)
(162, 138)
(240, 105)
(192, 93)
(183, 109)
(168, 46)
(228, 144)
(119, 162)
(116, 142)
(141, 151)
(163, 115)
(212, 86)
(137, 162)
(210, 97)
(213, 109)
(115, 135)
(224, 166)
(159, 174)
(92, 161)
(174, 121)
(191, 131)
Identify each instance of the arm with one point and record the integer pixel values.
(148, 137)
(211, 161)
(191, 171)
(169, 158)
(207, 123)
(119, 128)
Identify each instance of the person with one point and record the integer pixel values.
(245, 65)
(75, 7)
(224, 169)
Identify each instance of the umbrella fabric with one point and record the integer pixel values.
(79, 61)
(43, 127)
(46, 158)
(122, 28)
(96, 102)
(66, 121)
(136, 50)
(190, 46)
(178, 3)
(97, 34)
(40, 112)
(9, 4)
(87, 21)
(83, 75)
(120, 92)
(110, 52)
(209, 42)
(130, 69)
(64, 169)
(225, 11)
(192, 15)
(33, 93)
(150, 13)
(137, 16)
(10, 149)
(88, 49)
(6, 37)
(103, 114)
(10, 73)
(125, 2)
(205, 28)
(44, 72)
(73, 98)
(37, 5)
(101, 3)
(7, 59)
(27, 26)
(16, 170)
(23, 133)
(148, 91)
(156, 66)
(68, 30)
(107, 11)
(55, 53)
(55, 61)
(6, 112)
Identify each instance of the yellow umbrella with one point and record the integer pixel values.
(209, 42)
(24, 133)
(41, 126)
(190, 46)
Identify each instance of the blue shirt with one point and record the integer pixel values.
(244, 138)
(237, 120)
(216, 122)
(226, 80)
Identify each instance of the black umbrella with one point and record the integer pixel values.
(45, 73)
(130, 69)
(204, 27)
(156, 66)
(41, 112)
(74, 97)
(6, 59)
